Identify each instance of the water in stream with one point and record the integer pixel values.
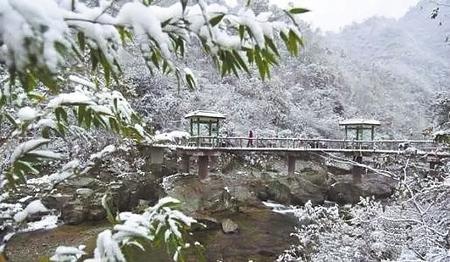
(263, 235)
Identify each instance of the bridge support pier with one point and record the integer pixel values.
(203, 162)
(184, 166)
(291, 165)
(213, 162)
(357, 170)
(156, 160)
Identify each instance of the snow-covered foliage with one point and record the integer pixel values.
(70, 254)
(411, 226)
(160, 224)
(45, 47)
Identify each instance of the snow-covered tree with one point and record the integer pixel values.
(412, 225)
(45, 46)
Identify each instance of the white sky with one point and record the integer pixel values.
(332, 15)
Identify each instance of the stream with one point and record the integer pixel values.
(263, 235)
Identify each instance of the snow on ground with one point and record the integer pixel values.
(172, 136)
(46, 222)
(27, 113)
(168, 180)
(34, 207)
(65, 172)
(107, 150)
(8, 210)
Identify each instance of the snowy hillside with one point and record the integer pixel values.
(401, 65)
(382, 68)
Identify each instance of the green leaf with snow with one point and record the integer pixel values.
(298, 10)
(216, 20)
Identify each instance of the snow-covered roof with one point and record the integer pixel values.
(205, 113)
(360, 121)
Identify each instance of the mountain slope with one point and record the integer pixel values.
(394, 69)
(386, 69)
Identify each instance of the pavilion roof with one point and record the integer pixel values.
(205, 113)
(359, 121)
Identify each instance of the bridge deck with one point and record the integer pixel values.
(297, 145)
(300, 150)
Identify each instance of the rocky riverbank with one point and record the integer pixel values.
(229, 201)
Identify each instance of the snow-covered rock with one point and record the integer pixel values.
(229, 226)
(34, 207)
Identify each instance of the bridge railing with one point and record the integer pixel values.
(262, 142)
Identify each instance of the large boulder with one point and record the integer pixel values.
(310, 184)
(302, 190)
(277, 191)
(85, 202)
(74, 212)
(346, 190)
(56, 201)
(197, 195)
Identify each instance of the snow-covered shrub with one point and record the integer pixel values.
(412, 225)
(46, 46)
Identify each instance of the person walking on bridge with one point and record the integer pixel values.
(250, 139)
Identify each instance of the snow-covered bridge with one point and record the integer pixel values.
(207, 148)
(359, 142)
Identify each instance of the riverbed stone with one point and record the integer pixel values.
(73, 212)
(84, 192)
(82, 181)
(56, 201)
(97, 213)
(229, 226)
(206, 222)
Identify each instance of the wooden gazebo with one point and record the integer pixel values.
(359, 127)
(204, 118)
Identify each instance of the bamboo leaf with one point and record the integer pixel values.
(241, 32)
(298, 10)
(240, 61)
(215, 20)
(184, 4)
(81, 40)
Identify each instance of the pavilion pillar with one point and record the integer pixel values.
(217, 127)
(203, 166)
(291, 165)
(185, 163)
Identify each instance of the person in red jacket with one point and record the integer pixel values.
(250, 139)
